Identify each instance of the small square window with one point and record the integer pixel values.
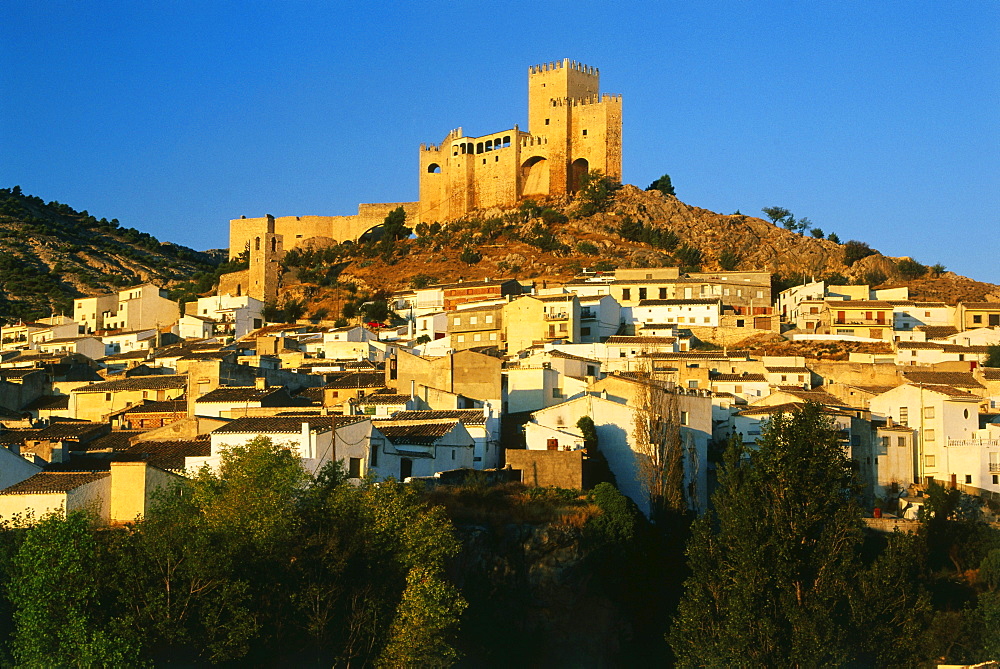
(585, 133)
(546, 121)
(968, 478)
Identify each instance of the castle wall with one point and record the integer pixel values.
(296, 230)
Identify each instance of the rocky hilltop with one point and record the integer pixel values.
(624, 227)
(51, 253)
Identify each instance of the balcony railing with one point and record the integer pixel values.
(973, 443)
(557, 317)
(995, 466)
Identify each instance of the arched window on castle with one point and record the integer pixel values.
(274, 244)
(257, 244)
(489, 145)
(479, 147)
(506, 141)
(434, 168)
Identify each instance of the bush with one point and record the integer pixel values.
(595, 193)
(911, 269)
(551, 216)
(663, 185)
(418, 281)
(587, 248)
(855, 251)
(470, 257)
(728, 261)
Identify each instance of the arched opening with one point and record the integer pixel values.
(434, 168)
(256, 246)
(577, 171)
(489, 145)
(239, 289)
(274, 244)
(535, 177)
(405, 468)
(463, 145)
(506, 141)
(479, 147)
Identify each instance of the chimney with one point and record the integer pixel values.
(260, 383)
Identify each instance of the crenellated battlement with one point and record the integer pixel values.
(533, 140)
(564, 63)
(586, 100)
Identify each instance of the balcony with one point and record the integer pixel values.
(557, 317)
(861, 321)
(995, 466)
(974, 443)
(587, 314)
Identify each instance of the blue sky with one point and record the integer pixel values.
(877, 120)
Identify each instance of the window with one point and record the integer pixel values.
(473, 320)
(904, 415)
(489, 318)
(663, 293)
(738, 389)
(477, 337)
(546, 121)
(929, 461)
(901, 442)
(968, 478)
(928, 412)
(929, 434)
(685, 417)
(461, 339)
(556, 393)
(354, 468)
(584, 132)
(977, 319)
(996, 479)
(374, 455)
(739, 323)
(642, 293)
(886, 442)
(493, 336)
(107, 397)
(453, 454)
(457, 321)
(692, 383)
(626, 293)
(584, 332)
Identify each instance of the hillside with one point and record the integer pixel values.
(627, 227)
(51, 253)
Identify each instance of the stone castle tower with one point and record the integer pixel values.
(572, 129)
(266, 249)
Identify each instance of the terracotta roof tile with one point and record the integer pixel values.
(53, 482)
(157, 382)
(953, 379)
(285, 424)
(415, 432)
(467, 416)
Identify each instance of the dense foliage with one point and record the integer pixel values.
(51, 253)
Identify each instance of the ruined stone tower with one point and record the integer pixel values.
(572, 129)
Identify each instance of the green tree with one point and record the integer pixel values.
(938, 269)
(774, 565)
(729, 260)
(833, 237)
(55, 591)
(817, 233)
(594, 193)
(663, 185)
(992, 356)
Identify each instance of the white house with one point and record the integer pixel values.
(685, 313)
(483, 426)
(421, 448)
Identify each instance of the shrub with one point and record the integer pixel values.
(911, 269)
(729, 260)
(663, 185)
(855, 251)
(470, 257)
(587, 248)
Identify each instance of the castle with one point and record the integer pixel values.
(573, 130)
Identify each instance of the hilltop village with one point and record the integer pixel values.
(102, 408)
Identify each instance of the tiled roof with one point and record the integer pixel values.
(668, 303)
(157, 382)
(787, 370)
(738, 378)
(559, 297)
(114, 441)
(467, 416)
(127, 355)
(468, 284)
(422, 433)
(8, 437)
(786, 408)
(207, 355)
(238, 394)
(981, 305)
(929, 305)
(465, 308)
(178, 405)
(953, 379)
(358, 380)
(620, 340)
(860, 304)
(18, 373)
(554, 353)
(53, 482)
(922, 345)
(383, 398)
(74, 430)
(285, 424)
(951, 391)
(991, 374)
(817, 396)
(169, 455)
